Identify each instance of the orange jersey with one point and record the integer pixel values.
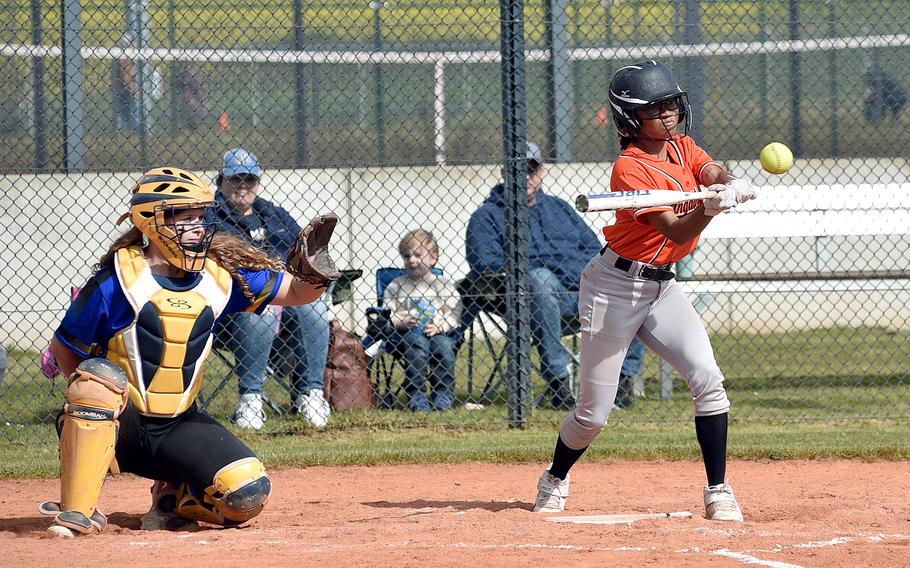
(631, 236)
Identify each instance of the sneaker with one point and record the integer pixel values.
(721, 505)
(419, 403)
(249, 413)
(161, 515)
(552, 493)
(314, 407)
(442, 402)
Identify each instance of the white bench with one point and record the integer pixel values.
(817, 212)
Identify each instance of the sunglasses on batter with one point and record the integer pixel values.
(655, 110)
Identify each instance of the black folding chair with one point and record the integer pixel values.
(480, 297)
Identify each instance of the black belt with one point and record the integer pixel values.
(646, 272)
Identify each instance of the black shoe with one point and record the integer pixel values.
(624, 397)
(562, 395)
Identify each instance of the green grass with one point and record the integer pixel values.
(438, 444)
(814, 394)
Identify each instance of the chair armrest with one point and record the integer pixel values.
(488, 286)
(342, 290)
(379, 326)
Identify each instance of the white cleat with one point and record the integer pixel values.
(721, 505)
(314, 408)
(552, 493)
(250, 413)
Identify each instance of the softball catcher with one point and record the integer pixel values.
(134, 344)
(629, 290)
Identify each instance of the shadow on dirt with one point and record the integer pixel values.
(493, 506)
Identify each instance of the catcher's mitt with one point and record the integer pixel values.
(309, 259)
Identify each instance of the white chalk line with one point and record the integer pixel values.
(749, 557)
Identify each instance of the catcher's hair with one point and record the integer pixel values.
(422, 237)
(230, 252)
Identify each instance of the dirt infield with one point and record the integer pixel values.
(798, 513)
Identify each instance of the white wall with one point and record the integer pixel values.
(53, 227)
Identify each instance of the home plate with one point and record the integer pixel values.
(619, 519)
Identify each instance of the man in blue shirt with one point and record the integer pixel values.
(305, 329)
(559, 247)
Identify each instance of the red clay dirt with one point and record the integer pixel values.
(798, 513)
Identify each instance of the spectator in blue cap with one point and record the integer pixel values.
(304, 330)
(560, 245)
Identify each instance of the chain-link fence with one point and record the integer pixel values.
(392, 115)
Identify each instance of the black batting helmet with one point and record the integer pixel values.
(639, 85)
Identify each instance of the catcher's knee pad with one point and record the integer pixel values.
(95, 397)
(239, 493)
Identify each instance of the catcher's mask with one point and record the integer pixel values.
(640, 85)
(174, 209)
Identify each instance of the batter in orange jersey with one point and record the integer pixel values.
(685, 167)
(629, 290)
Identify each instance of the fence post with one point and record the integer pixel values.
(73, 94)
(377, 74)
(40, 110)
(796, 84)
(300, 83)
(514, 134)
(693, 66)
(559, 83)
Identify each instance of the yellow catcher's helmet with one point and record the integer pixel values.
(159, 194)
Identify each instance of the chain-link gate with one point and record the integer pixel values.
(391, 114)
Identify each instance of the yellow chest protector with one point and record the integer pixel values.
(163, 350)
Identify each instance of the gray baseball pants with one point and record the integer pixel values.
(614, 305)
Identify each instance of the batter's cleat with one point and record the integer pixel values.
(161, 516)
(552, 493)
(68, 524)
(721, 505)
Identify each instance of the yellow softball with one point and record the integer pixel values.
(776, 158)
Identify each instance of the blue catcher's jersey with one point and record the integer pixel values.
(101, 308)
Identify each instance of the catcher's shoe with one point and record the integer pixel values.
(721, 505)
(552, 493)
(161, 516)
(68, 524)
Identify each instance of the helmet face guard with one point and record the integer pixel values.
(174, 237)
(158, 207)
(637, 86)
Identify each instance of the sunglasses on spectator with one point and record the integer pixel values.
(243, 178)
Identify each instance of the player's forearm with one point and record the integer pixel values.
(681, 230)
(714, 174)
(294, 292)
(67, 361)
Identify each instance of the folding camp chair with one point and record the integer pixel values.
(480, 297)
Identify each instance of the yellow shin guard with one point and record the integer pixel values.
(239, 493)
(95, 397)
